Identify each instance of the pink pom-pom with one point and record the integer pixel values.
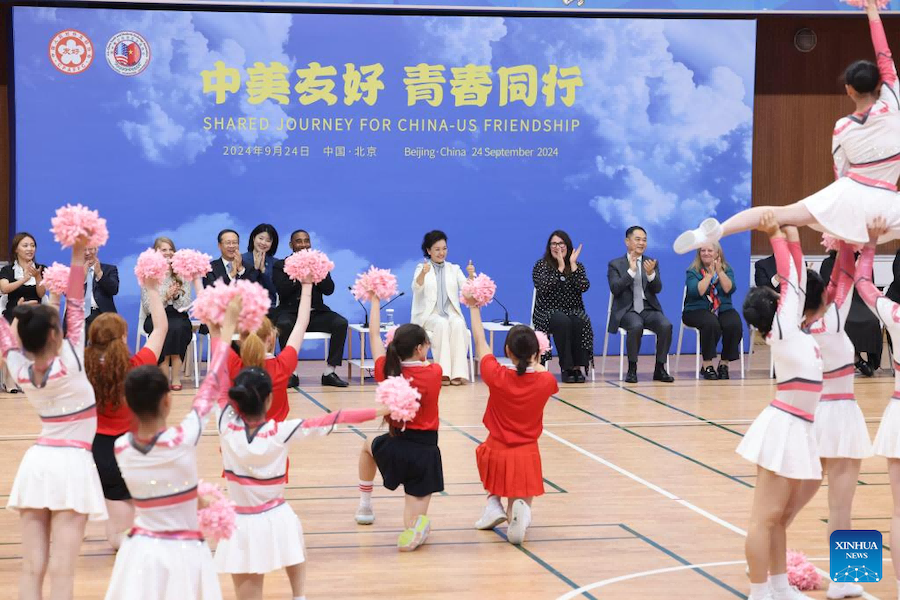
(801, 573)
(398, 395)
(310, 265)
(389, 336)
(151, 266)
(56, 278)
(478, 291)
(72, 222)
(216, 515)
(379, 282)
(882, 4)
(543, 342)
(212, 301)
(829, 242)
(190, 264)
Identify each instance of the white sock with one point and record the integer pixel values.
(759, 590)
(779, 582)
(492, 499)
(328, 370)
(299, 597)
(365, 492)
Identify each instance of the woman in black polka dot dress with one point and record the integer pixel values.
(559, 282)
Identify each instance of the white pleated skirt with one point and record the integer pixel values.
(887, 440)
(783, 444)
(845, 208)
(262, 543)
(841, 431)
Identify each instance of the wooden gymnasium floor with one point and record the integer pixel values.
(642, 484)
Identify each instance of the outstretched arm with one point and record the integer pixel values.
(299, 429)
(375, 329)
(300, 325)
(157, 316)
(481, 346)
(890, 90)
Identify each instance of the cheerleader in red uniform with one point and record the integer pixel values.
(509, 461)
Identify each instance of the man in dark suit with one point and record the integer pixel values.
(231, 264)
(634, 281)
(101, 283)
(321, 319)
(765, 274)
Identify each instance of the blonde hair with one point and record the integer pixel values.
(697, 264)
(163, 240)
(254, 345)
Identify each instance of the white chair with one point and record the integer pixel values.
(531, 324)
(754, 332)
(622, 333)
(315, 335)
(192, 358)
(697, 350)
(469, 350)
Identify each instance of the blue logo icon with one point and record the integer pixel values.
(856, 556)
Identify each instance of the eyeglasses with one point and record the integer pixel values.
(557, 244)
(231, 244)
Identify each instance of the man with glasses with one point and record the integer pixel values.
(634, 282)
(231, 265)
(101, 283)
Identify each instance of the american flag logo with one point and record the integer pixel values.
(127, 54)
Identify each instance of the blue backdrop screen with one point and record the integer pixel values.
(370, 130)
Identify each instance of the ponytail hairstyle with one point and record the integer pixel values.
(760, 307)
(522, 346)
(862, 76)
(406, 339)
(36, 323)
(254, 346)
(107, 361)
(252, 387)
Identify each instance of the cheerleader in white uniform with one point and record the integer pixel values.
(781, 440)
(887, 440)
(57, 488)
(164, 555)
(866, 151)
(840, 427)
(268, 535)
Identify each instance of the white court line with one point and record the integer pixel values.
(668, 495)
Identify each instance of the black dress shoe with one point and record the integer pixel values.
(723, 371)
(579, 375)
(864, 368)
(293, 381)
(708, 373)
(333, 380)
(631, 377)
(660, 374)
(568, 377)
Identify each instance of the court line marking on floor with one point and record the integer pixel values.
(690, 506)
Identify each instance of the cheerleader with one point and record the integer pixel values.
(509, 461)
(781, 441)
(866, 148)
(268, 535)
(164, 555)
(56, 489)
(107, 362)
(408, 454)
(887, 440)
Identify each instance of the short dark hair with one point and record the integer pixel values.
(815, 287)
(432, 238)
(296, 231)
(760, 307)
(35, 324)
(862, 76)
(224, 231)
(145, 388)
(251, 388)
(264, 228)
(634, 228)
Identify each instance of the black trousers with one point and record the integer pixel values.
(567, 332)
(323, 321)
(634, 325)
(725, 326)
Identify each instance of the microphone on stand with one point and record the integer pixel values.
(392, 299)
(506, 322)
(366, 323)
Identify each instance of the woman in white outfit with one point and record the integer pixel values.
(435, 307)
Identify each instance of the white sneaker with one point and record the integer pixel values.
(843, 589)
(492, 516)
(791, 593)
(521, 519)
(710, 230)
(365, 515)
(767, 596)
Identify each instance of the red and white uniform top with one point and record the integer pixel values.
(884, 308)
(64, 400)
(866, 146)
(829, 331)
(161, 473)
(797, 357)
(255, 456)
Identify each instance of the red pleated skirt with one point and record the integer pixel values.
(510, 471)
